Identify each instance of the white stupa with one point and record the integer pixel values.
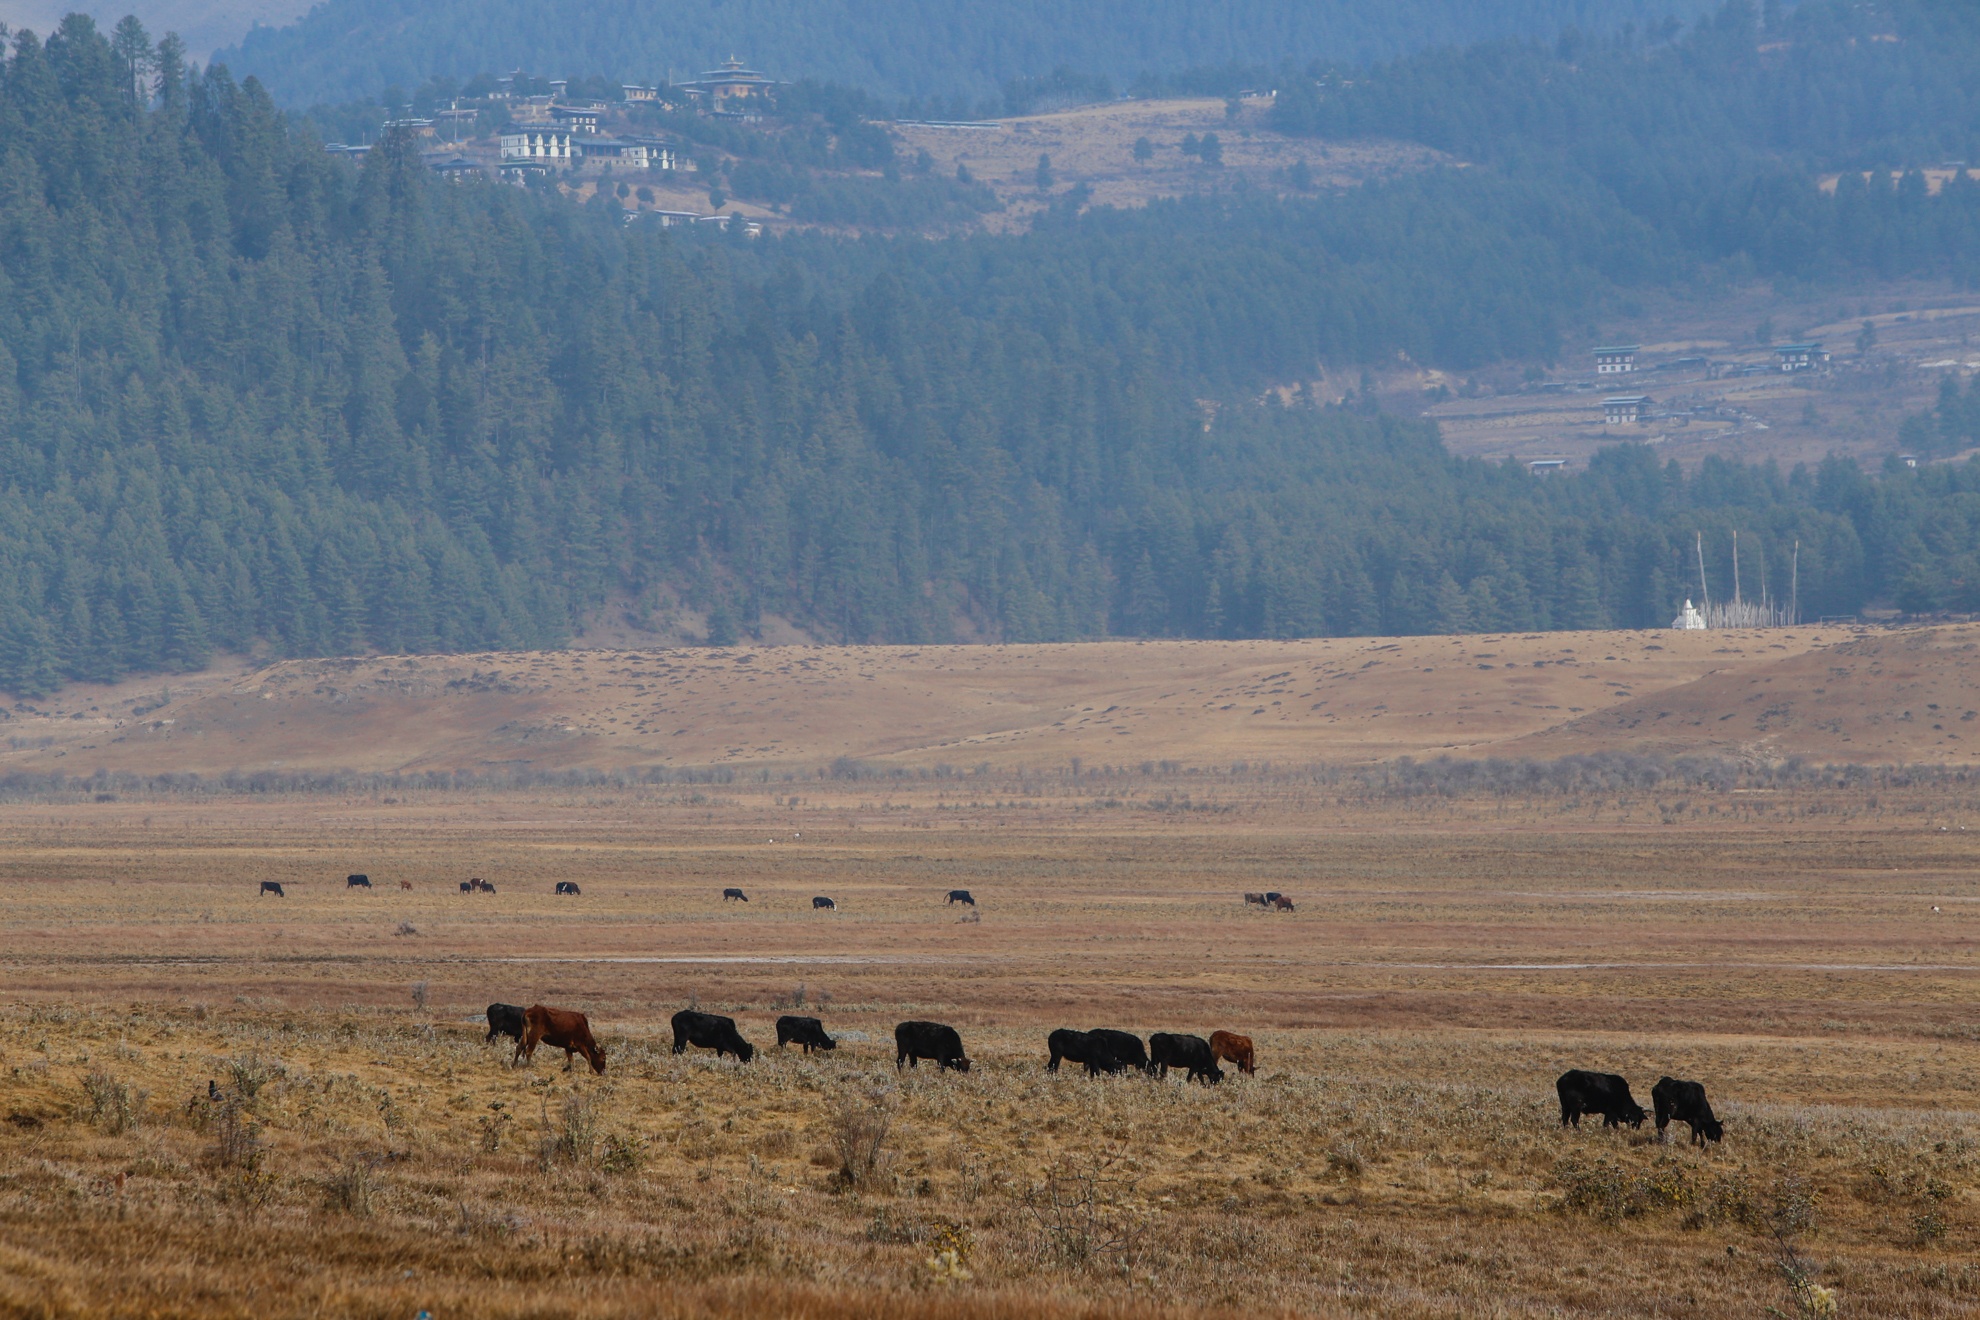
(1689, 618)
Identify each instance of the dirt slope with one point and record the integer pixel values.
(1886, 697)
(1197, 703)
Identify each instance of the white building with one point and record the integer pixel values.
(1615, 359)
(536, 142)
(1626, 409)
(1689, 619)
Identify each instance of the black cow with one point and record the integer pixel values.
(823, 902)
(915, 1041)
(487, 888)
(1167, 1050)
(1100, 1051)
(505, 1020)
(961, 896)
(466, 888)
(711, 1033)
(737, 894)
(1597, 1093)
(1685, 1102)
(1125, 1046)
(272, 887)
(806, 1031)
(568, 887)
(357, 882)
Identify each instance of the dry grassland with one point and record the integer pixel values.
(1194, 704)
(1810, 956)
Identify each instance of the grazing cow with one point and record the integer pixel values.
(1281, 903)
(736, 894)
(405, 884)
(1081, 1048)
(1597, 1093)
(1167, 1050)
(1233, 1048)
(711, 1033)
(915, 1041)
(562, 1029)
(505, 1020)
(272, 887)
(568, 887)
(487, 888)
(961, 896)
(357, 882)
(467, 887)
(1685, 1102)
(823, 902)
(1259, 899)
(1124, 1046)
(806, 1031)
(474, 885)
(1272, 896)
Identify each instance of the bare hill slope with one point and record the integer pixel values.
(1196, 703)
(1892, 697)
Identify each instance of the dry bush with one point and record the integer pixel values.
(251, 1071)
(114, 1106)
(237, 1140)
(1083, 1216)
(353, 1187)
(858, 1126)
(574, 1138)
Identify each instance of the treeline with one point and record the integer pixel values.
(1714, 138)
(896, 49)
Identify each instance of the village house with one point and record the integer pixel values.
(579, 119)
(1626, 409)
(1800, 357)
(626, 153)
(535, 142)
(639, 94)
(1615, 359)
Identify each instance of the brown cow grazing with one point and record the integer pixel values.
(1233, 1048)
(405, 884)
(1258, 899)
(562, 1029)
(1281, 903)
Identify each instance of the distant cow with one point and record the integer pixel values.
(961, 896)
(1685, 1102)
(1258, 899)
(467, 887)
(736, 894)
(806, 1031)
(562, 1029)
(487, 888)
(1167, 1050)
(474, 885)
(1233, 1048)
(1280, 903)
(915, 1041)
(1272, 896)
(405, 884)
(1597, 1093)
(505, 1020)
(272, 887)
(823, 902)
(357, 882)
(568, 887)
(711, 1033)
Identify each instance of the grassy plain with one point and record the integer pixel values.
(1810, 956)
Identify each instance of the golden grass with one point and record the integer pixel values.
(1398, 1153)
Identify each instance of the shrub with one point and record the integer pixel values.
(858, 1128)
(114, 1106)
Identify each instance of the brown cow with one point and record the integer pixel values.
(1258, 899)
(559, 1028)
(1233, 1048)
(1281, 903)
(405, 884)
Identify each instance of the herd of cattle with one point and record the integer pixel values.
(1100, 1051)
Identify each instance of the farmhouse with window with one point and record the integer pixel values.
(1800, 357)
(626, 153)
(1626, 409)
(535, 142)
(1615, 359)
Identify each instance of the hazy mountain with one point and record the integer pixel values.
(893, 48)
(204, 25)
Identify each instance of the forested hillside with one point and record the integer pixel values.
(896, 49)
(251, 393)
